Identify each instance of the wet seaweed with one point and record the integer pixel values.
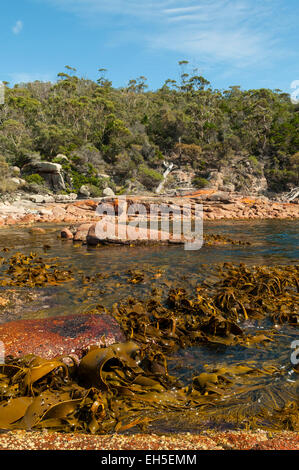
(33, 271)
(116, 388)
(216, 313)
(213, 239)
(120, 387)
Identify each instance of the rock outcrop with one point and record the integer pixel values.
(51, 172)
(217, 205)
(59, 336)
(244, 174)
(108, 192)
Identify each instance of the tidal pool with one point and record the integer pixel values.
(272, 243)
(107, 275)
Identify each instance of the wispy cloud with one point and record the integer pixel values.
(142, 9)
(238, 32)
(231, 31)
(17, 28)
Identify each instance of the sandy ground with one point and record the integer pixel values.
(229, 440)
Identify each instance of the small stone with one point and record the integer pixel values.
(3, 302)
(65, 197)
(84, 191)
(36, 230)
(108, 192)
(37, 198)
(220, 196)
(16, 171)
(48, 199)
(17, 181)
(66, 233)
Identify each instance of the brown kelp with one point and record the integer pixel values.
(213, 239)
(32, 271)
(215, 313)
(117, 388)
(259, 291)
(167, 328)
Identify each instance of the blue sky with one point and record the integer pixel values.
(251, 43)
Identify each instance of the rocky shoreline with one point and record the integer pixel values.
(216, 206)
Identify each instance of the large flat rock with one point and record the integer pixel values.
(59, 336)
(128, 235)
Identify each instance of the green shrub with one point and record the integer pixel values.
(95, 191)
(79, 179)
(7, 186)
(199, 182)
(148, 177)
(188, 153)
(4, 168)
(280, 180)
(253, 160)
(35, 178)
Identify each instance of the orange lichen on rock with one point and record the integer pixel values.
(200, 192)
(58, 336)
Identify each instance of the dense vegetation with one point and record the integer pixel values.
(129, 132)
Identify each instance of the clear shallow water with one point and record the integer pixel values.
(272, 243)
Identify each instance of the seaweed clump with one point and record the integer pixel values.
(259, 291)
(212, 239)
(216, 314)
(114, 389)
(32, 271)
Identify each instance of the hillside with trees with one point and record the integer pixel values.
(126, 136)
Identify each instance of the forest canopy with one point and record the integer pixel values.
(129, 132)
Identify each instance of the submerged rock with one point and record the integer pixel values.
(66, 233)
(59, 336)
(37, 230)
(82, 232)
